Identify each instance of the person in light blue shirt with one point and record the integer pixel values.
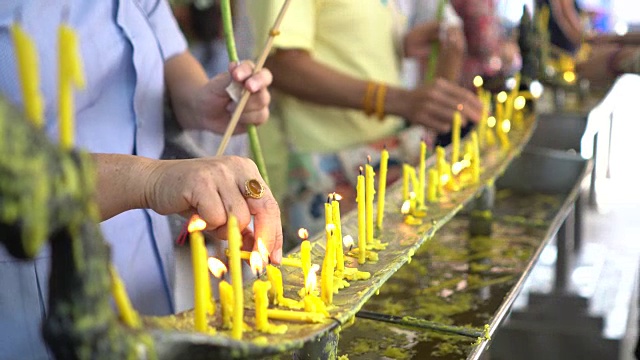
(134, 57)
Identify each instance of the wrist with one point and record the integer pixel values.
(396, 101)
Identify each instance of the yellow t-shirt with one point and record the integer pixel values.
(355, 37)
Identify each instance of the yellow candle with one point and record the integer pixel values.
(275, 278)
(260, 290)
(475, 158)
(369, 193)
(491, 124)
(305, 257)
(218, 269)
(301, 316)
(335, 208)
(478, 82)
(28, 71)
(432, 195)
(482, 126)
(513, 94)
(405, 181)
(70, 74)
(326, 289)
(127, 313)
(362, 233)
(226, 303)
(455, 136)
(201, 286)
(421, 173)
(235, 243)
(382, 186)
(501, 98)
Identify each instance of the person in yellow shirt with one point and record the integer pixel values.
(337, 96)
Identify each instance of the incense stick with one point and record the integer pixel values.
(421, 324)
(228, 29)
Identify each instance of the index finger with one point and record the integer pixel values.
(267, 224)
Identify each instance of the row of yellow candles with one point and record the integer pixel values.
(70, 75)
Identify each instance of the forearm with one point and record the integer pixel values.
(184, 76)
(296, 73)
(121, 182)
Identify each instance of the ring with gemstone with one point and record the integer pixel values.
(253, 189)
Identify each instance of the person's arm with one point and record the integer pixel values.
(203, 103)
(297, 73)
(568, 19)
(631, 38)
(211, 187)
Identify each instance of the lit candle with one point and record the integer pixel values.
(235, 266)
(406, 211)
(218, 269)
(455, 135)
(305, 251)
(491, 124)
(382, 185)
(127, 313)
(513, 94)
(421, 173)
(478, 82)
(275, 278)
(312, 303)
(260, 291)
(335, 209)
(475, 158)
(202, 287)
(28, 71)
(482, 126)
(326, 288)
(501, 98)
(432, 194)
(362, 233)
(518, 105)
(70, 74)
(369, 193)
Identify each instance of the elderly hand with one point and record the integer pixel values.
(212, 188)
(213, 106)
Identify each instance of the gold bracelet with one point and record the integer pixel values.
(380, 97)
(369, 96)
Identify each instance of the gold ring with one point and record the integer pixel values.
(253, 189)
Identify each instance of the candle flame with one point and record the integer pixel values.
(330, 227)
(491, 121)
(506, 125)
(444, 179)
(312, 279)
(255, 260)
(337, 197)
(502, 96)
(477, 81)
(406, 207)
(569, 76)
(519, 102)
(303, 233)
(536, 89)
(217, 267)
(456, 168)
(511, 83)
(460, 107)
(347, 241)
(262, 249)
(196, 224)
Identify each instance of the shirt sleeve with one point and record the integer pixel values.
(297, 30)
(172, 41)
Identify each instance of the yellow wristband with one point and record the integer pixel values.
(380, 97)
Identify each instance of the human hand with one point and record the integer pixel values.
(598, 68)
(212, 188)
(417, 42)
(213, 106)
(433, 105)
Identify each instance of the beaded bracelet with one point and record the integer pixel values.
(369, 95)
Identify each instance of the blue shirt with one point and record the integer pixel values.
(124, 44)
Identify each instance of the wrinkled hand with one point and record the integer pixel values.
(213, 187)
(433, 105)
(213, 106)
